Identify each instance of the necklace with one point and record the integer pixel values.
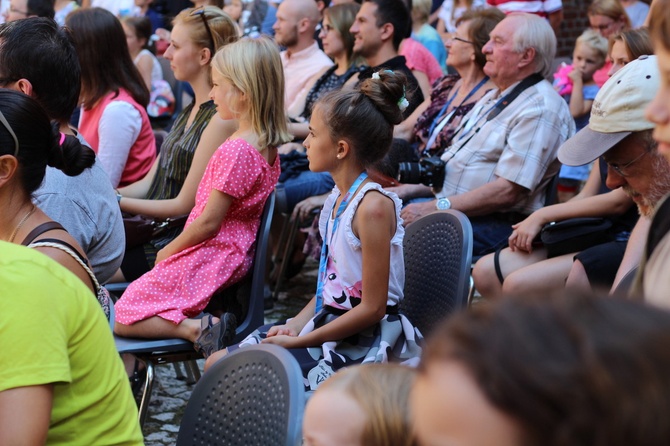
(23, 220)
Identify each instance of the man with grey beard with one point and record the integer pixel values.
(619, 133)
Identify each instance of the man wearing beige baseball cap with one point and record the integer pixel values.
(619, 133)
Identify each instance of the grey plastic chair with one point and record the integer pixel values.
(438, 254)
(164, 351)
(254, 396)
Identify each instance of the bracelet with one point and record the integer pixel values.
(118, 196)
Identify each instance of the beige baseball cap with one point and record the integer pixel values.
(618, 111)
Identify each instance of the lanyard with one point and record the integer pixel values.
(493, 112)
(323, 261)
(498, 107)
(440, 115)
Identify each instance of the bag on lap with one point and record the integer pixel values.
(575, 235)
(140, 229)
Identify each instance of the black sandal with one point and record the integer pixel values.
(139, 377)
(214, 337)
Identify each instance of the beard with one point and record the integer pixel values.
(659, 187)
(289, 39)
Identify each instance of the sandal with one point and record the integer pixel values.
(138, 378)
(214, 337)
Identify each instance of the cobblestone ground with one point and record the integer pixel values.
(170, 394)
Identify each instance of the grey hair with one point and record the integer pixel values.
(534, 32)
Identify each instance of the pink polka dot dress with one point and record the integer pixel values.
(181, 286)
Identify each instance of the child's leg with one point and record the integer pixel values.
(157, 327)
(214, 357)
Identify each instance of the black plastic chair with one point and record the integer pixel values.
(164, 351)
(254, 396)
(438, 254)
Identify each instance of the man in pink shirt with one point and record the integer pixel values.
(302, 59)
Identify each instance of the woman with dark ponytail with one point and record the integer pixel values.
(28, 143)
(354, 316)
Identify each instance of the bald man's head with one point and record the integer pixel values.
(296, 22)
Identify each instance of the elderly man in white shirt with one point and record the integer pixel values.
(504, 155)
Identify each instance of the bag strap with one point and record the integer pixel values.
(659, 227)
(502, 103)
(41, 229)
(67, 248)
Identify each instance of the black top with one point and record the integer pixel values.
(412, 92)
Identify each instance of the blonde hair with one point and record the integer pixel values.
(254, 68)
(382, 392)
(610, 8)
(595, 41)
(224, 30)
(421, 9)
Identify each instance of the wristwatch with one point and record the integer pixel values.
(443, 204)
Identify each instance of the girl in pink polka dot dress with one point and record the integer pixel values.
(215, 249)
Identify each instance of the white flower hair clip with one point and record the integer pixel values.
(403, 103)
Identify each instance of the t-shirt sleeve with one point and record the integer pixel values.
(236, 168)
(590, 92)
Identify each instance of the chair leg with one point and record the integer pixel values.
(146, 395)
(294, 224)
(193, 372)
(179, 373)
(471, 292)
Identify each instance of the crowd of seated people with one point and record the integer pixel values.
(353, 86)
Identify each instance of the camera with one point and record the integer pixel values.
(428, 171)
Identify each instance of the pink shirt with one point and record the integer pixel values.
(418, 58)
(299, 68)
(141, 150)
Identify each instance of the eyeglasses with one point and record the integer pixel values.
(201, 12)
(620, 169)
(460, 39)
(11, 132)
(601, 28)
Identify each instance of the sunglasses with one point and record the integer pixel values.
(11, 132)
(201, 12)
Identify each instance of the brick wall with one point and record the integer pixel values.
(574, 23)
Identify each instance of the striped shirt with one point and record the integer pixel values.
(175, 159)
(540, 7)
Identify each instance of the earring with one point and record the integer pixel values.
(339, 157)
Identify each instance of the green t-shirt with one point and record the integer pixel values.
(52, 330)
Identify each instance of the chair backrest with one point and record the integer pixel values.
(551, 193)
(254, 396)
(253, 286)
(168, 75)
(160, 136)
(438, 256)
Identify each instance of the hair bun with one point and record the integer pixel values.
(386, 89)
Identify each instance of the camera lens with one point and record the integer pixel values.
(409, 173)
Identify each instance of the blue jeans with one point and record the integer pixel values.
(489, 233)
(306, 184)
